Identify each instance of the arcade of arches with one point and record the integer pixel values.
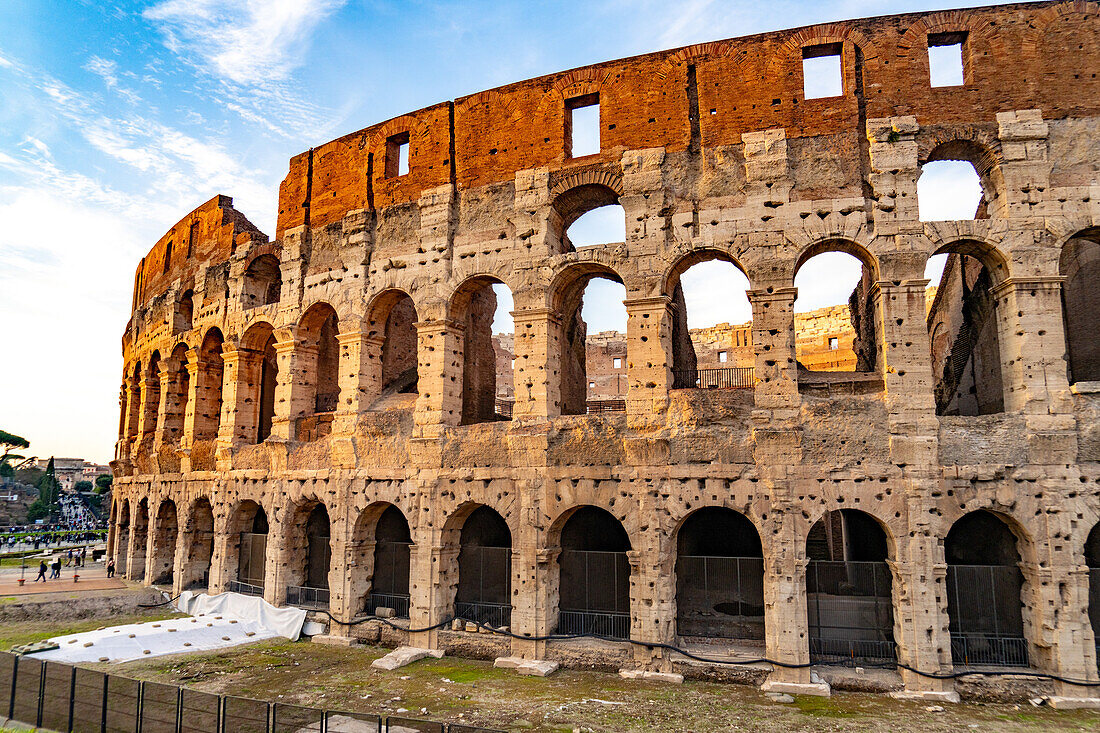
(318, 417)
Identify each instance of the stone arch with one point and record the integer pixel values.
(176, 406)
(185, 311)
(246, 560)
(133, 401)
(593, 583)
(139, 540)
(575, 195)
(912, 49)
(786, 61)
(473, 306)
(480, 577)
(575, 83)
(318, 353)
(199, 529)
(719, 575)
(965, 312)
(165, 537)
(381, 550)
(306, 539)
(390, 326)
(986, 588)
(1079, 264)
(122, 543)
(1043, 46)
(209, 376)
(566, 294)
(257, 373)
(975, 146)
(262, 281)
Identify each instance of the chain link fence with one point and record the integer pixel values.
(61, 697)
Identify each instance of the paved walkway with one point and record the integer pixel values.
(92, 577)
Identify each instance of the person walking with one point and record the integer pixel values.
(56, 569)
(41, 571)
(111, 568)
(69, 558)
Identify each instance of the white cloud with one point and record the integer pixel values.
(246, 42)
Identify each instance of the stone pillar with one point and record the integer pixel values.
(360, 376)
(1024, 170)
(195, 394)
(147, 420)
(893, 151)
(169, 416)
(537, 376)
(430, 597)
(648, 357)
(534, 580)
(278, 558)
(240, 398)
(224, 543)
(296, 389)
(343, 604)
(439, 369)
(786, 625)
(776, 371)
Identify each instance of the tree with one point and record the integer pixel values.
(103, 482)
(37, 510)
(48, 488)
(10, 442)
(83, 486)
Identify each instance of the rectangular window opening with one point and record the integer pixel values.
(397, 155)
(945, 59)
(723, 357)
(618, 363)
(192, 238)
(582, 126)
(592, 385)
(168, 256)
(834, 343)
(821, 71)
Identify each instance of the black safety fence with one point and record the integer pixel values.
(985, 612)
(851, 612)
(595, 406)
(720, 378)
(484, 585)
(594, 593)
(720, 597)
(61, 697)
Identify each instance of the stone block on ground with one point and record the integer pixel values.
(332, 640)
(817, 689)
(532, 667)
(404, 655)
(644, 674)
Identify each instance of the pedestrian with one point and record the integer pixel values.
(69, 558)
(41, 572)
(111, 568)
(56, 568)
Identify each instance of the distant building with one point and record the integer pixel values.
(70, 471)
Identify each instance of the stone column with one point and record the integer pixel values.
(224, 543)
(648, 357)
(341, 603)
(430, 596)
(240, 398)
(786, 625)
(775, 371)
(147, 420)
(360, 377)
(296, 389)
(169, 416)
(439, 369)
(195, 393)
(537, 376)
(534, 599)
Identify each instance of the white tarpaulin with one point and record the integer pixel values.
(215, 622)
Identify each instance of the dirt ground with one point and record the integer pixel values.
(461, 690)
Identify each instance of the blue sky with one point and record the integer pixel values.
(117, 118)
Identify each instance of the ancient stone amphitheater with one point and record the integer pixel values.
(313, 417)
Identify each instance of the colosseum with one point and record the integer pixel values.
(315, 417)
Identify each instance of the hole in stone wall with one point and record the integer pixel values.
(596, 335)
(397, 155)
(603, 225)
(834, 314)
(945, 59)
(712, 326)
(582, 126)
(949, 190)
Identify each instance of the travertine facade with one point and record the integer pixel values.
(330, 392)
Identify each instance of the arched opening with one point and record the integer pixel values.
(262, 282)
(984, 583)
(959, 180)
(164, 544)
(719, 576)
(208, 388)
(176, 405)
(200, 549)
(185, 311)
(249, 527)
(593, 368)
(318, 352)
(476, 306)
(1080, 265)
(835, 319)
(1092, 560)
(485, 569)
(594, 575)
(393, 321)
(309, 556)
(122, 543)
(711, 323)
(963, 330)
(150, 398)
(585, 216)
(133, 403)
(390, 558)
(849, 598)
(139, 540)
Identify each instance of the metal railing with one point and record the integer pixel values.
(398, 602)
(615, 625)
(852, 651)
(61, 697)
(248, 589)
(721, 378)
(850, 611)
(504, 408)
(988, 650)
(595, 406)
(492, 614)
(720, 596)
(304, 596)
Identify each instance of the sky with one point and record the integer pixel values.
(118, 118)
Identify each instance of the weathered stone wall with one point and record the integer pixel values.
(761, 177)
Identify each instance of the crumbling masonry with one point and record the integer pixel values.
(313, 417)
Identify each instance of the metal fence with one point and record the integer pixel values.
(398, 602)
(61, 697)
(491, 614)
(1094, 607)
(851, 612)
(594, 592)
(252, 558)
(306, 597)
(721, 378)
(504, 408)
(247, 589)
(984, 607)
(720, 596)
(484, 584)
(595, 406)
